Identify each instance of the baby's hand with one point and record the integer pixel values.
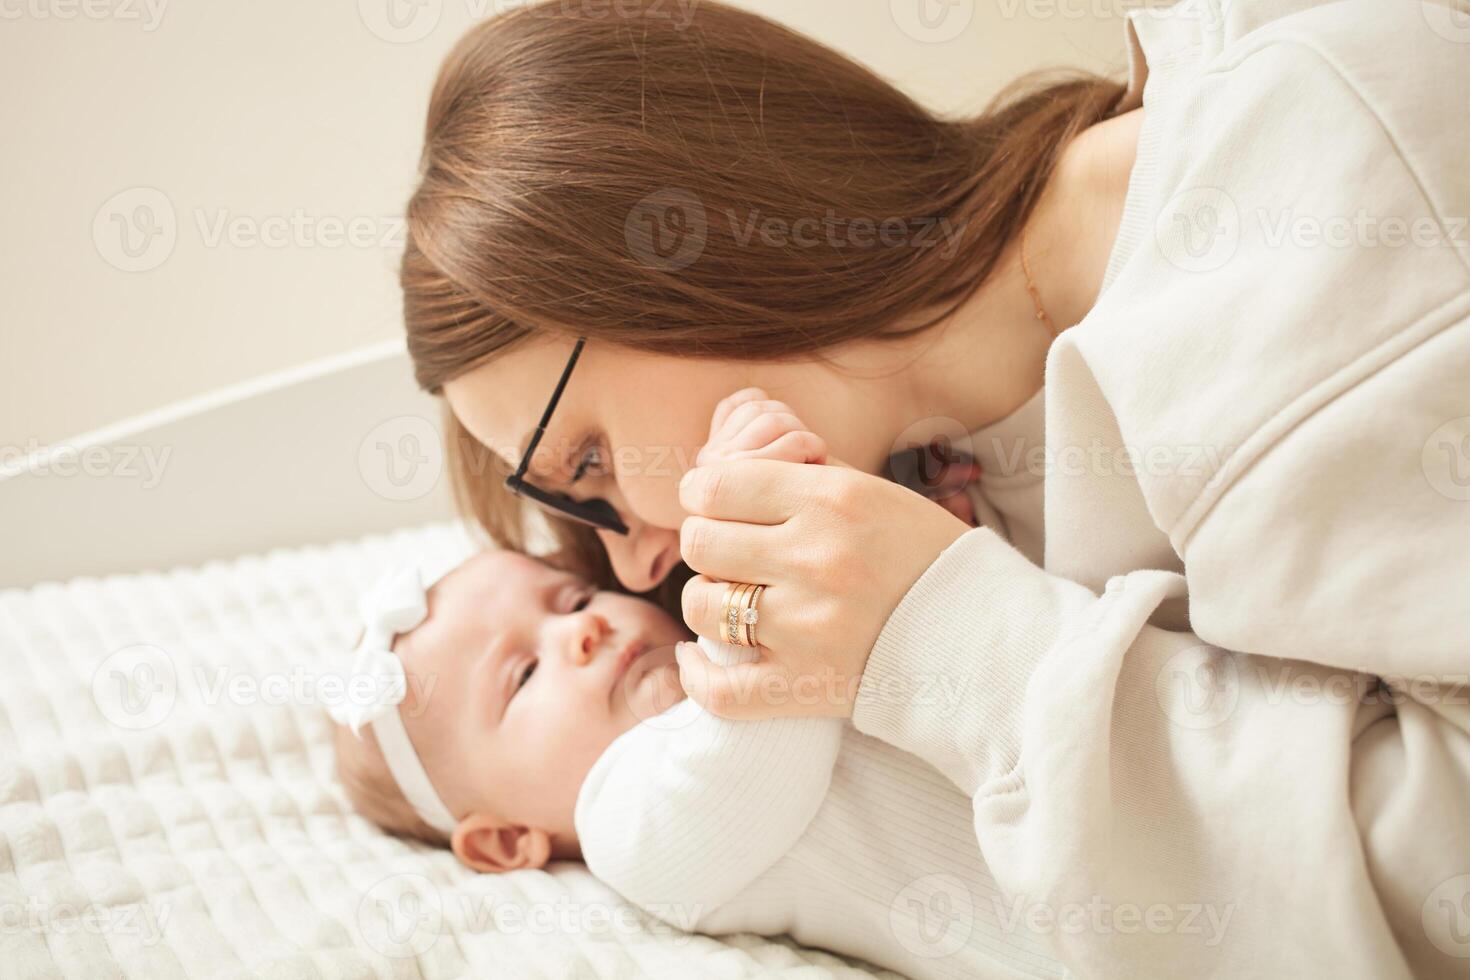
(959, 503)
(938, 472)
(750, 425)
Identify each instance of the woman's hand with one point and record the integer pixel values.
(836, 548)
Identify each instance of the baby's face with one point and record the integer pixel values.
(524, 675)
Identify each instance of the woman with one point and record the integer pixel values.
(1232, 667)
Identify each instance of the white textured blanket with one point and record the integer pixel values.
(168, 806)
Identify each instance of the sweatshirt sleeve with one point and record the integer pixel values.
(685, 810)
(1152, 802)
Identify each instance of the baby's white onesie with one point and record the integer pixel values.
(801, 826)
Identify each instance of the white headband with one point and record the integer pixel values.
(395, 605)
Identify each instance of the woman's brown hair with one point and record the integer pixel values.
(613, 171)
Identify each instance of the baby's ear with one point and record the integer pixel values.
(485, 844)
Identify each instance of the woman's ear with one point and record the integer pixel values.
(485, 844)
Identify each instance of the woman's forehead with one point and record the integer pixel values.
(501, 401)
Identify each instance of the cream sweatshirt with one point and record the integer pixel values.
(807, 827)
(1257, 504)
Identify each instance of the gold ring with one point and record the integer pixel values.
(751, 615)
(738, 614)
(730, 614)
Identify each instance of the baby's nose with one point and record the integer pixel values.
(587, 638)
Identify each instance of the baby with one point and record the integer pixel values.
(517, 680)
(543, 719)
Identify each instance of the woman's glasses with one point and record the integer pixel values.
(596, 513)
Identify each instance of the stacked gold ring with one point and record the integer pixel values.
(738, 613)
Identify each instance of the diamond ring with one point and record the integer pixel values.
(738, 613)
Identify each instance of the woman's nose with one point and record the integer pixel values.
(587, 634)
(643, 557)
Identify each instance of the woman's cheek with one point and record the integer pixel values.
(654, 499)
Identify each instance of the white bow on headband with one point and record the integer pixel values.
(376, 685)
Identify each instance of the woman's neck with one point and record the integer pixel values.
(988, 357)
(1070, 236)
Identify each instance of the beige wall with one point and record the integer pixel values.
(267, 147)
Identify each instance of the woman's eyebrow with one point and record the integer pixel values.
(548, 480)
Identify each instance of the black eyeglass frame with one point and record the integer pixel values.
(595, 513)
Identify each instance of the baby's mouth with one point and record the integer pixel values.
(629, 653)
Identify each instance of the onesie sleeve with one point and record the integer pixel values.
(685, 810)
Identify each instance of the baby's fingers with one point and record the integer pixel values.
(762, 430)
(746, 414)
(728, 404)
(798, 446)
(793, 447)
(961, 506)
